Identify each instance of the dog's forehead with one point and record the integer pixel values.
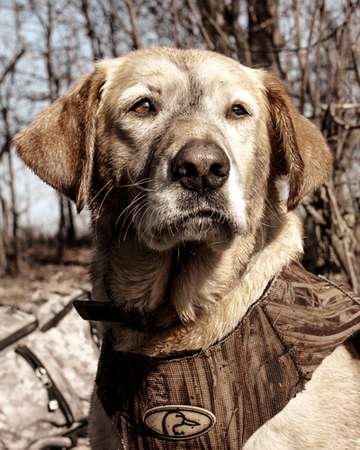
(168, 70)
(142, 69)
(216, 71)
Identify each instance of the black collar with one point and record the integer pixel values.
(158, 320)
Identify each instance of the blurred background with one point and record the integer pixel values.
(312, 45)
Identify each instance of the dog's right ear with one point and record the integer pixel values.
(59, 144)
(299, 149)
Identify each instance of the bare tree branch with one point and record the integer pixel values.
(11, 65)
(135, 31)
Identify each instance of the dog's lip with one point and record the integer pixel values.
(211, 215)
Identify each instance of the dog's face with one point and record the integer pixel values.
(176, 146)
(182, 131)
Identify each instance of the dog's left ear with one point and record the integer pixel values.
(299, 149)
(59, 144)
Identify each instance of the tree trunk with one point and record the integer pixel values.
(265, 40)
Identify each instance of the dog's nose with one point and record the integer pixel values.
(200, 166)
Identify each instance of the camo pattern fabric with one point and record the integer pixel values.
(311, 315)
(245, 379)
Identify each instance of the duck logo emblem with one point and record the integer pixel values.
(178, 422)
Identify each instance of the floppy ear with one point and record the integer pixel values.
(59, 144)
(299, 149)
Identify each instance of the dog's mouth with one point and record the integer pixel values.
(202, 225)
(197, 219)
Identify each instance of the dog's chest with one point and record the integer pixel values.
(220, 397)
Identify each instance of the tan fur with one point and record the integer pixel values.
(325, 416)
(222, 316)
(91, 146)
(59, 144)
(297, 140)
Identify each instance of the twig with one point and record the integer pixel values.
(135, 31)
(10, 67)
(193, 7)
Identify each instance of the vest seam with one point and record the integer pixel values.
(286, 346)
(339, 288)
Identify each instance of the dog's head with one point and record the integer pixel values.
(176, 145)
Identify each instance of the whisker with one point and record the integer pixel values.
(137, 211)
(103, 201)
(100, 207)
(138, 183)
(128, 210)
(143, 215)
(153, 212)
(99, 192)
(143, 209)
(131, 220)
(137, 198)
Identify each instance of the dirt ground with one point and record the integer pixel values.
(39, 277)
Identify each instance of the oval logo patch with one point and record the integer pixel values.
(178, 422)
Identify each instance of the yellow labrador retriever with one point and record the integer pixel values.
(192, 165)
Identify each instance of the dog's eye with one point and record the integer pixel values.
(143, 107)
(237, 111)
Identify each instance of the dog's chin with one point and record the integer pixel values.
(215, 231)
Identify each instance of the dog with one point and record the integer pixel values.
(192, 166)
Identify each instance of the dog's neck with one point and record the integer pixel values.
(210, 290)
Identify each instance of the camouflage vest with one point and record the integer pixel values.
(216, 399)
